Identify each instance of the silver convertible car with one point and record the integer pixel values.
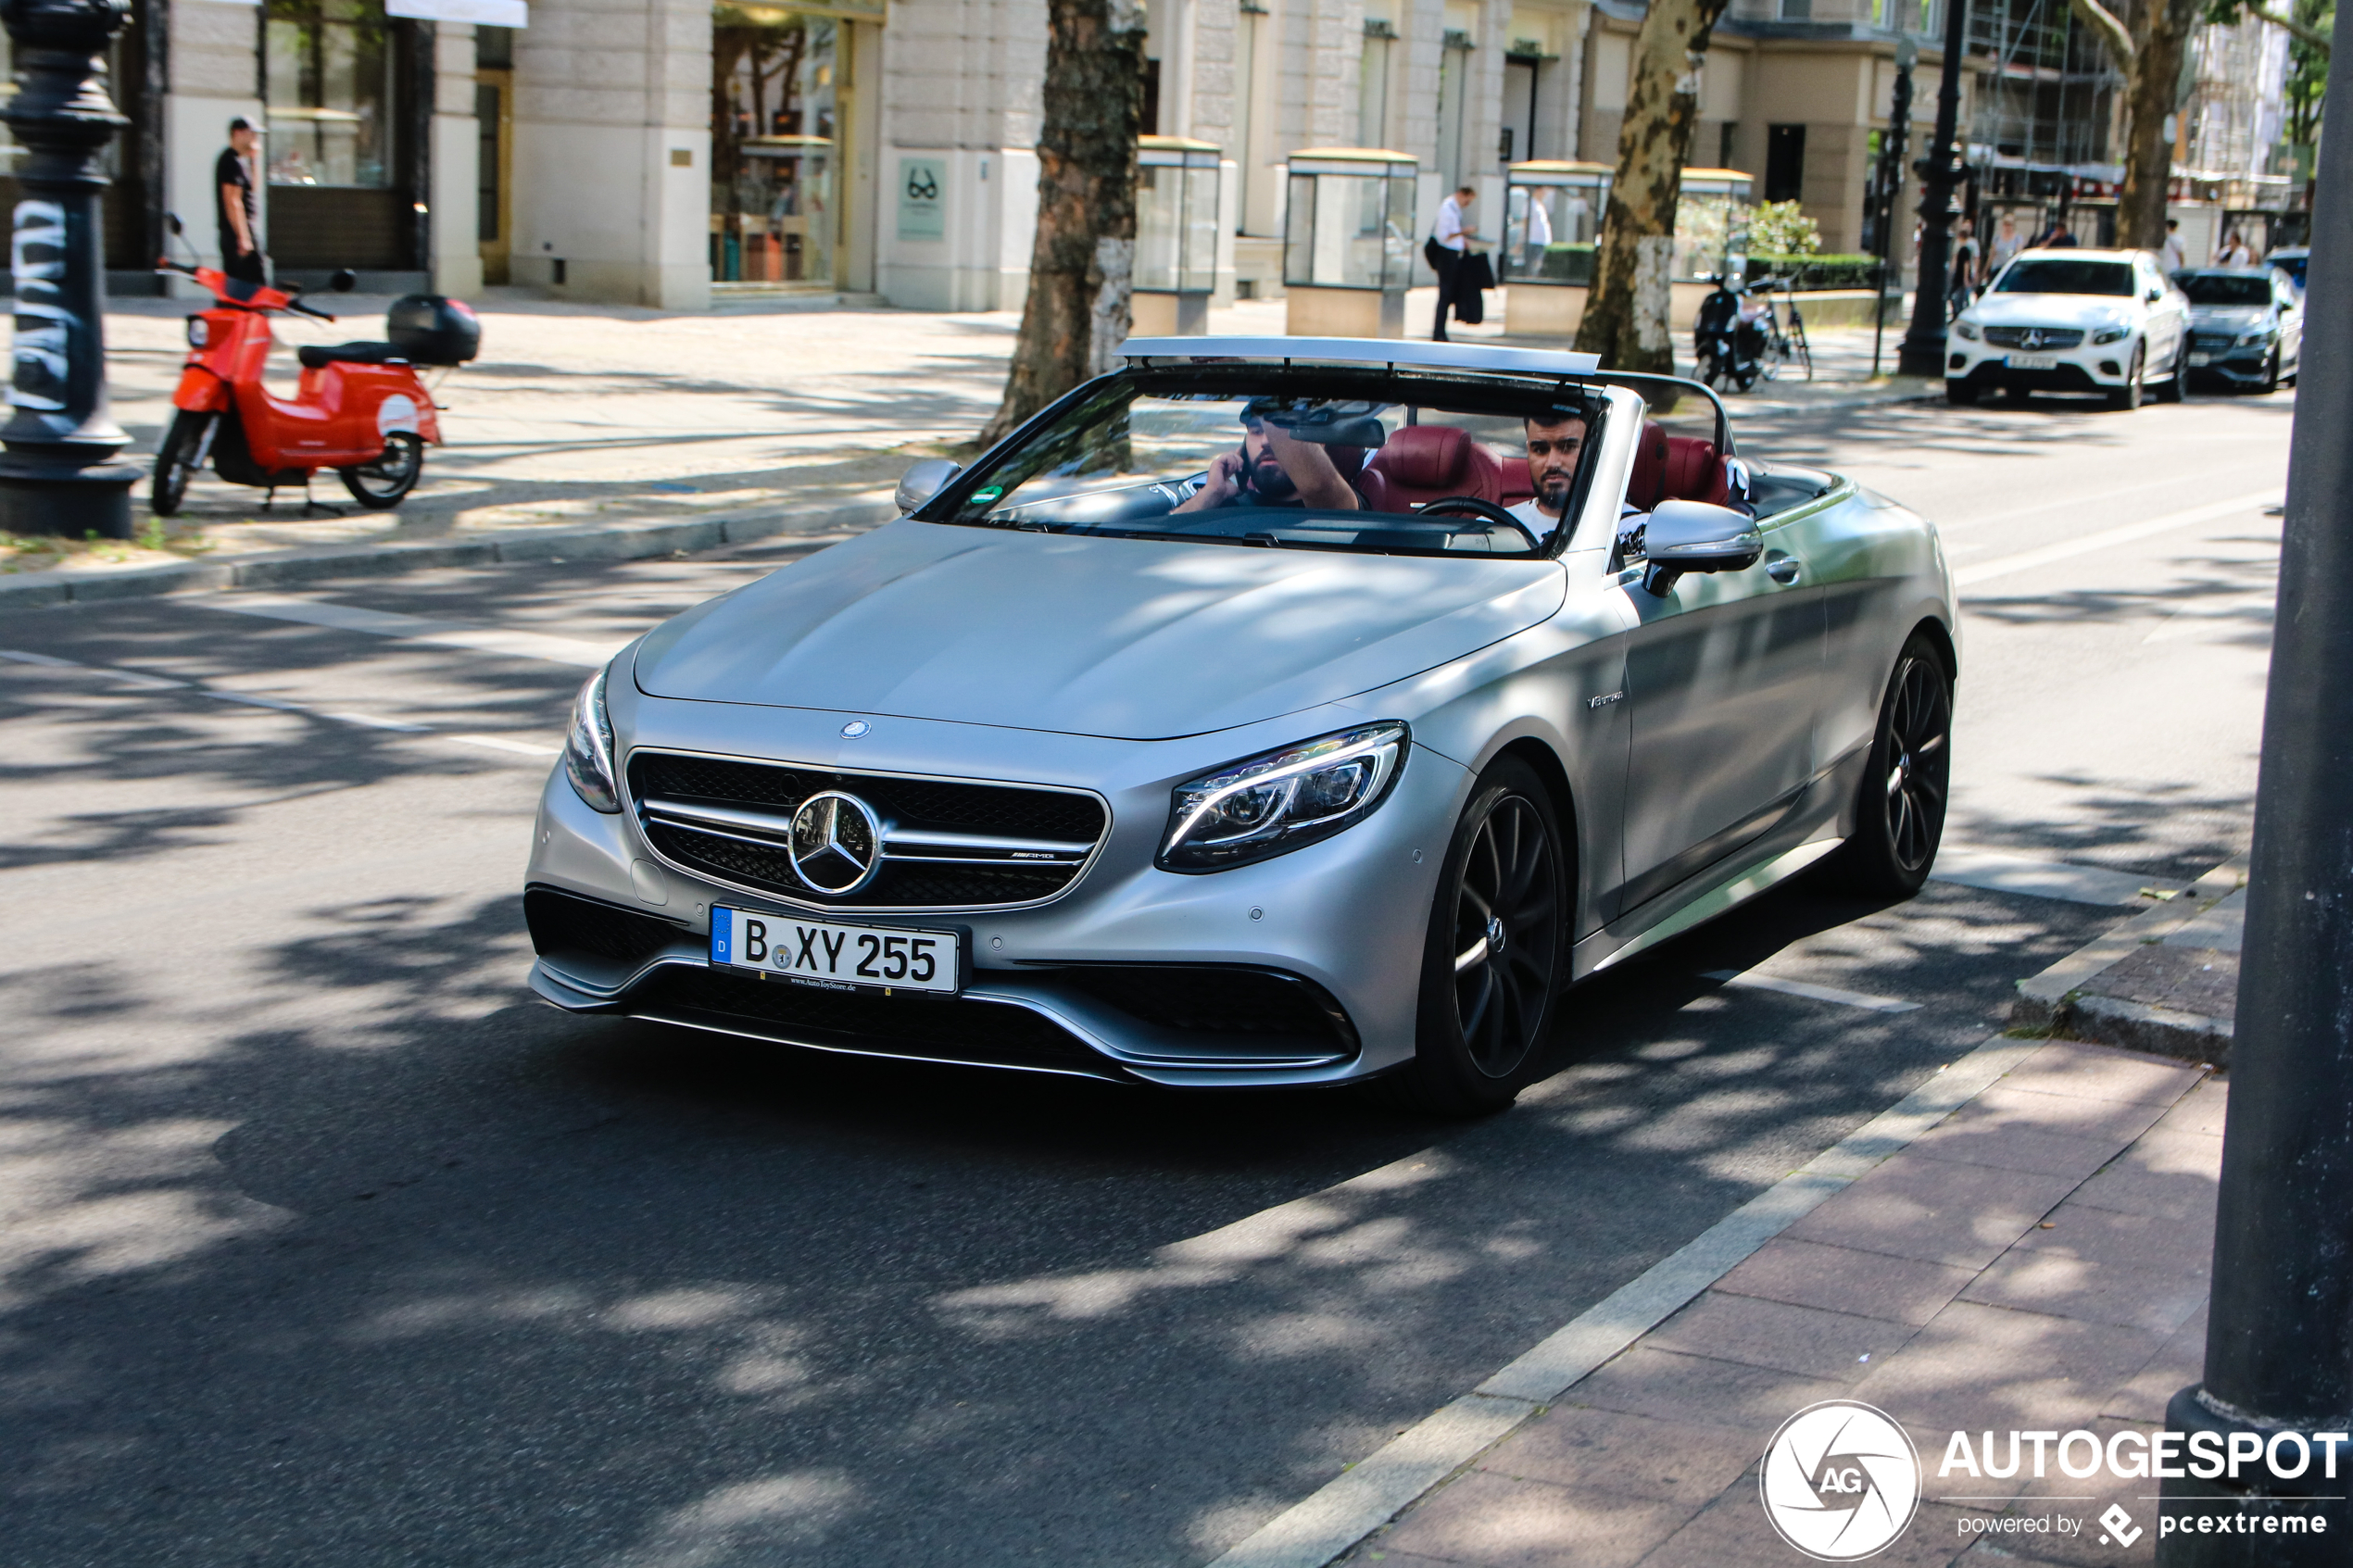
(1268, 712)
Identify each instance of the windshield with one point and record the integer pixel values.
(2208, 288)
(1370, 462)
(2041, 276)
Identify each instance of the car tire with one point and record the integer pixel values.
(2270, 382)
(2125, 398)
(1899, 813)
(1486, 1008)
(2175, 386)
(1960, 393)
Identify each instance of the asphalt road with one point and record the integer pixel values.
(321, 1242)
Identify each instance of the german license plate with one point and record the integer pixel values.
(2201, 359)
(834, 956)
(2032, 361)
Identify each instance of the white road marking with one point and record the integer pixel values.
(49, 662)
(367, 721)
(1811, 992)
(500, 743)
(1999, 872)
(2087, 544)
(1370, 1493)
(414, 628)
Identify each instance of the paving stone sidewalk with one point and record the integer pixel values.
(2036, 1261)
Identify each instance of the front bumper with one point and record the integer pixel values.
(2236, 363)
(2088, 366)
(1303, 969)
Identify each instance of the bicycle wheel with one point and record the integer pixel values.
(1800, 350)
(1775, 355)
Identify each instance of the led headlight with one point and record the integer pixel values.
(1278, 802)
(588, 749)
(1966, 327)
(2111, 334)
(197, 329)
(2254, 335)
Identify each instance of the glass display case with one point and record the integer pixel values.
(1348, 242)
(1552, 218)
(1175, 235)
(1711, 225)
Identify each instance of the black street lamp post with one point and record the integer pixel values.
(2279, 1344)
(59, 476)
(1922, 353)
(1891, 183)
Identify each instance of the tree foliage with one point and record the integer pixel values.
(1782, 228)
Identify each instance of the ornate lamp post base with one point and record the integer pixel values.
(59, 474)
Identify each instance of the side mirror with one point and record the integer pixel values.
(2156, 294)
(1694, 536)
(171, 221)
(921, 481)
(345, 280)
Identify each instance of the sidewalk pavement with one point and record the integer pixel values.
(2037, 1260)
(2166, 982)
(607, 430)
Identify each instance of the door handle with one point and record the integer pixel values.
(1783, 569)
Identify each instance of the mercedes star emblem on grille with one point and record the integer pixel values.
(2034, 338)
(837, 843)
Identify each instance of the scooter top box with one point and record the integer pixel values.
(431, 330)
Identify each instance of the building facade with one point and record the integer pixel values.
(669, 152)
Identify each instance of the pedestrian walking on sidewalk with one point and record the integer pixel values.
(240, 214)
(1449, 242)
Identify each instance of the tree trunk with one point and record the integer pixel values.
(1082, 263)
(1626, 314)
(2152, 77)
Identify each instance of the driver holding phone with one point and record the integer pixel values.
(1273, 468)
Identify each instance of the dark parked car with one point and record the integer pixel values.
(2246, 325)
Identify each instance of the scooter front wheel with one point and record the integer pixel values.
(178, 459)
(385, 483)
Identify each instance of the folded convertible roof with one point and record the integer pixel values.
(1402, 352)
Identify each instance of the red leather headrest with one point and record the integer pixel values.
(1426, 456)
(1691, 471)
(1647, 485)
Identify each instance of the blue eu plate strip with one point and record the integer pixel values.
(723, 934)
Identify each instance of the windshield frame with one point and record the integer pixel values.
(1389, 384)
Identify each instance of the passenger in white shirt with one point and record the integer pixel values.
(1554, 447)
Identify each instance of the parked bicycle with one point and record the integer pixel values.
(1784, 348)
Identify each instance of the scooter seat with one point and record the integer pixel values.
(316, 356)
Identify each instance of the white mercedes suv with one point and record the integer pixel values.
(2107, 322)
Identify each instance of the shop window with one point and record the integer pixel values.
(775, 145)
(330, 72)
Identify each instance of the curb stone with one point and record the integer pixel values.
(2060, 997)
(278, 568)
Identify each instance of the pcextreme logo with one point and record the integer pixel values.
(1840, 1480)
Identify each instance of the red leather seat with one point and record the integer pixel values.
(1675, 467)
(1423, 463)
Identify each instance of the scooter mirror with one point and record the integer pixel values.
(171, 221)
(345, 280)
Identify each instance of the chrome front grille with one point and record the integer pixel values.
(2034, 337)
(945, 844)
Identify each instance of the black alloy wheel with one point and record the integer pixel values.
(1496, 953)
(177, 460)
(2270, 382)
(2127, 397)
(1960, 393)
(2174, 388)
(385, 483)
(1899, 814)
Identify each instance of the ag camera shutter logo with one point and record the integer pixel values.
(1840, 1481)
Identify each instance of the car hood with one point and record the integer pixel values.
(1124, 638)
(2051, 309)
(2234, 318)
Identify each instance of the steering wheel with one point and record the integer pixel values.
(1489, 510)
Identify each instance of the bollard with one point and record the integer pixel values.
(59, 474)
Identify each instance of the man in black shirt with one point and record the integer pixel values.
(240, 214)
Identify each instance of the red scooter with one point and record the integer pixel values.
(359, 408)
